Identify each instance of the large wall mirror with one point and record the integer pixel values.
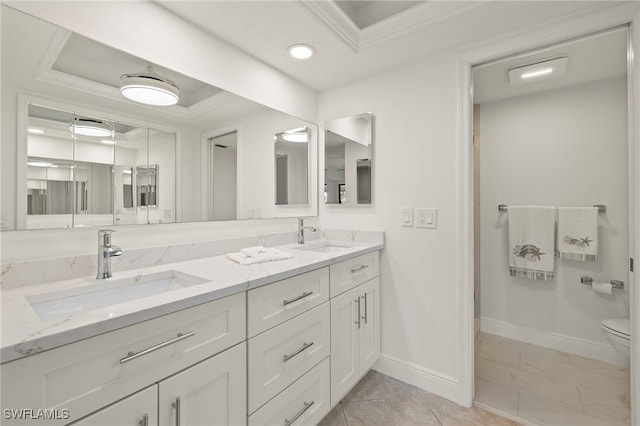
(213, 156)
(348, 151)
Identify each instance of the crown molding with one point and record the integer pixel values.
(338, 23)
(332, 18)
(413, 20)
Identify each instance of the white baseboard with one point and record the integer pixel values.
(559, 342)
(419, 376)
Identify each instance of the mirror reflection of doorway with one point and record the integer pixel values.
(223, 157)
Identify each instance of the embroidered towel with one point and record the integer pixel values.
(531, 242)
(578, 233)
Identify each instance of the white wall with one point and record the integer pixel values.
(566, 148)
(414, 165)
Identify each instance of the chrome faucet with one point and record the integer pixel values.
(301, 229)
(105, 252)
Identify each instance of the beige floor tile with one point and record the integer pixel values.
(577, 376)
(529, 383)
(407, 411)
(509, 345)
(450, 413)
(500, 353)
(375, 385)
(335, 417)
(544, 412)
(609, 407)
(602, 367)
(499, 397)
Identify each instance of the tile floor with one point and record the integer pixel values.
(546, 387)
(381, 400)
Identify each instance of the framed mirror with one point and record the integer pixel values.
(348, 162)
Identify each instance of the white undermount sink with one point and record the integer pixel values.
(324, 247)
(109, 292)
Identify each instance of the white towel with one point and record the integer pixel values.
(252, 255)
(531, 242)
(578, 233)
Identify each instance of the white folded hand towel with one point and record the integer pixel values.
(254, 251)
(578, 233)
(531, 242)
(258, 254)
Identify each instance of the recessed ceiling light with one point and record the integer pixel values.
(299, 134)
(301, 51)
(90, 127)
(539, 71)
(149, 88)
(35, 131)
(39, 164)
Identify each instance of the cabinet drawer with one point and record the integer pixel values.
(134, 410)
(346, 275)
(87, 375)
(275, 303)
(306, 401)
(279, 356)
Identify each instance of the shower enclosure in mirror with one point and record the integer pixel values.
(348, 151)
(91, 171)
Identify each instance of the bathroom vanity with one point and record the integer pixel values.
(271, 343)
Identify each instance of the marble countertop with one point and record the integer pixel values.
(24, 333)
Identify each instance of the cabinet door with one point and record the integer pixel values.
(344, 343)
(139, 409)
(369, 350)
(210, 393)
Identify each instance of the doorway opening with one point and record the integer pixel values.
(559, 140)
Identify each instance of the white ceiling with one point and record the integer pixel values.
(592, 58)
(346, 52)
(371, 36)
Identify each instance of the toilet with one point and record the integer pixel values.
(617, 332)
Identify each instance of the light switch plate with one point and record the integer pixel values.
(426, 218)
(406, 216)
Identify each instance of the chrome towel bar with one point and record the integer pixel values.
(601, 208)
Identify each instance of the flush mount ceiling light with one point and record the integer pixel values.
(149, 88)
(539, 71)
(296, 135)
(35, 131)
(301, 51)
(90, 127)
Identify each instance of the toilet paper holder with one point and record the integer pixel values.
(614, 283)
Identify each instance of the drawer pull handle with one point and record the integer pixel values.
(176, 405)
(144, 421)
(358, 269)
(307, 405)
(133, 355)
(295, 299)
(304, 346)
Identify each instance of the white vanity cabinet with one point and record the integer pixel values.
(289, 330)
(212, 392)
(139, 409)
(355, 331)
(89, 375)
